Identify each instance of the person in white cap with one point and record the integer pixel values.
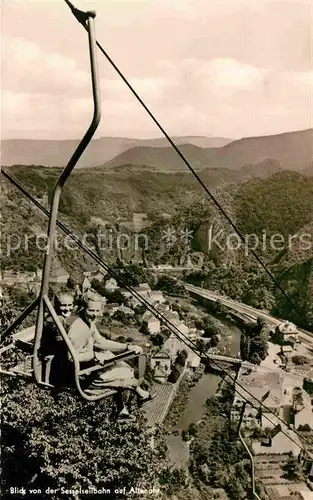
(92, 348)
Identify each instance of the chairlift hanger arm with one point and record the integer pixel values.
(81, 16)
(88, 21)
(96, 100)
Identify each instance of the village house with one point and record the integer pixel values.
(168, 353)
(302, 410)
(162, 308)
(126, 293)
(143, 290)
(126, 310)
(138, 223)
(281, 395)
(90, 270)
(173, 317)
(111, 285)
(161, 365)
(156, 296)
(10, 277)
(193, 359)
(272, 400)
(86, 285)
(286, 349)
(173, 345)
(183, 328)
(287, 332)
(152, 323)
(144, 286)
(110, 309)
(59, 275)
(278, 442)
(254, 385)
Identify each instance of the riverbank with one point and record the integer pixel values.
(189, 405)
(188, 408)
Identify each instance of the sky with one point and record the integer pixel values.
(227, 68)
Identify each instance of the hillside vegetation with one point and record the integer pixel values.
(281, 204)
(103, 193)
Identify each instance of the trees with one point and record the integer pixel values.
(308, 386)
(140, 309)
(185, 435)
(174, 375)
(258, 346)
(71, 283)
(121, 316)
(199, 324)
(192, 429)
(157, 339)
(202, 346)
(300, 360)
(115, 297)
(133, 274)
(253, 342)
(214, 341)
(181, 358)
(217, 462)
(170, 285)
(293, 470)
(58, 440)
(255, 359)
(304, 428)
(173, 479)
(210, 326)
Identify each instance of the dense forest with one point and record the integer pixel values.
(278, 205)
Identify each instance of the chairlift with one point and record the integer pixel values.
(36, 365)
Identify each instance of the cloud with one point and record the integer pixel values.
(211, 68)
(227, 72)
(27, 67)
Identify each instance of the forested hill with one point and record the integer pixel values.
(57, 152)
(280, 204)
(292, 150)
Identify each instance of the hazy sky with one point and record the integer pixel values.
(229, 68)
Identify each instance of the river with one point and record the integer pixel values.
(205, 388)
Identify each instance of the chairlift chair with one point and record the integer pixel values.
(35, 365)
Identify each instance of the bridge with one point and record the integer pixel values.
(168, 269)
(218, 361)
(242, 310)
(227, 359)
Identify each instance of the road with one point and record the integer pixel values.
(250, 312)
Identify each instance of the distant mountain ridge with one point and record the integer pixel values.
(293, 150)
(57, 152)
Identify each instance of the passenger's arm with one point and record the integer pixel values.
(84, 353)
(110, 345)
(107, 345)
